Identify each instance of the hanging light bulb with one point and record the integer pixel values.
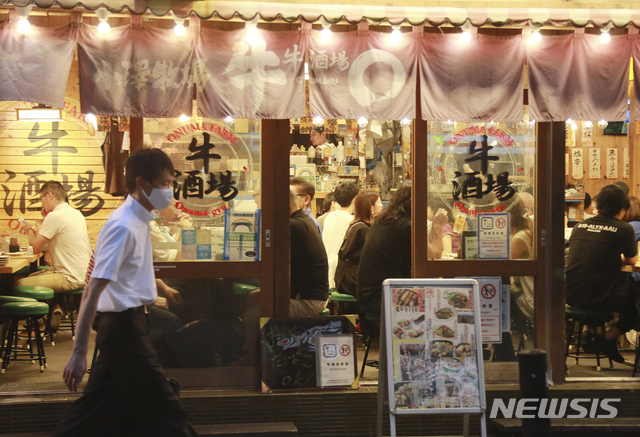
(326, 34)
(569, 121)
(228, 119)
(24, 26)
(91, 119)
(396, 35)
(405, 121)
(363, 122)
(183, 118)
(465, 36)
(253, 35)
(587, 124)
(603, 124)
(535, 37)
(103, 16)
(318, 121)
(574, 126)
(179, 28)
(605, 37)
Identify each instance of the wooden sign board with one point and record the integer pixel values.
(288, 348)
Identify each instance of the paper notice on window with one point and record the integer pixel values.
(587, 135)
(594, 163)
(625, 163)
(612, 163)
(577, 167)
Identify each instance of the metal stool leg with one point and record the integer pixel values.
(42, 358)
(366, 353)
(7, 353)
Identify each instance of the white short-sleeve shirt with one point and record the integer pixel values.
(69, 246)
(123, 255)
(335, 228)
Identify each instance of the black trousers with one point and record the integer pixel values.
(127, 393)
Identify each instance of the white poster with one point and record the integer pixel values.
(625, 163)
(594, 163)
(612, 163)
(335, 360)
(490, 314)
(493, 236)
(577, 167)
(587, 134)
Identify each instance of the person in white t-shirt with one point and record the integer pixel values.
(64, 230)
(336, 225)
(127, 392)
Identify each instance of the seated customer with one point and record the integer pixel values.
(328, 206)
(305, 191)
(368, 207)
(387, 251)
(336, 225)
(168, 230)
(64, 229)
(597, 249)
(308, 273)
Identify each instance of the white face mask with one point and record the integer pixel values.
(160, 198)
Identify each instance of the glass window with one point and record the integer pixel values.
(216, 213)
(475, 169)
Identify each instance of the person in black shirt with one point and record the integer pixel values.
(387, 251)
(594, 280)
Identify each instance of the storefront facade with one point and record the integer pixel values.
(523, 155)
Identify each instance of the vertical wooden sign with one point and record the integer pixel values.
(612, 163)
(577, 166)
(625, 163)
(594, 163)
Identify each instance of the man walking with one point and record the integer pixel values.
(127, 392)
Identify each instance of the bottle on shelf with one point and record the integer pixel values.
(311, 153)
(340, 152)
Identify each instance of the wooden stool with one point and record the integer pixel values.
(342, 300)
(31, 312)
(575, 316)
(70, 302)
(41, 294)
(370, 325)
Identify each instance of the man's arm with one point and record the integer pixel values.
(38, 242)
(77, 365)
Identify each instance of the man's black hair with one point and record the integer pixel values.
(319, 129)
(148, 163)
(611, 200)
(345, 193)
(306, 187)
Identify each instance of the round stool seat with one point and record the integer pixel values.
(582, 312)
(78, 291)
(325, 312)
(243, 289)
(12, 299)
(340, 297)
(24, 309)
(33, 291)
(26, 270)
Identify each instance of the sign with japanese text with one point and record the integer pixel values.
(594, 163)
(250, 78)
(36, 152)
(490, 309)
(612, 163)
(212, 163)
(336, 364)
(289, 350)
(135, 71)
(432, 336)
(35, 66)
(577, 164)
(353, 76)
(493, 236)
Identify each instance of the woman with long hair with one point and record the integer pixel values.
(368, 206)
(387, 250)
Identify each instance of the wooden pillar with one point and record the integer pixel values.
(274, 282)
(550, 296)
(419, 193)
(136, 133)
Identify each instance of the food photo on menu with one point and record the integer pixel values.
(434, 348)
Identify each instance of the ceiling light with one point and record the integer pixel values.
(363, 122)
(228, 119)
(91, 119)
(603, 124)
(588, 124)
(405, 122)
(569, 121)
(465, 36)
(535, 36)
(325, 35)
(103, 16)
(24, 26)
(183, 118)
(605, 37)
(318, 121)
(253, 36)
(179, 28)
(396, 35)
(40, 113)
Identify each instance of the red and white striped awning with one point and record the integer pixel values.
(334, 13)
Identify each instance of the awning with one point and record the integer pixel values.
(334, 13)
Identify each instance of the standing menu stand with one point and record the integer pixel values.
(431, 350)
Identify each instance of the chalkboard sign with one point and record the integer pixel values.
(289, 349)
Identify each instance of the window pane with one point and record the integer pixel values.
(474, 169)
(217, 164)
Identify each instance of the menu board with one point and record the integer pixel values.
(434, 348)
